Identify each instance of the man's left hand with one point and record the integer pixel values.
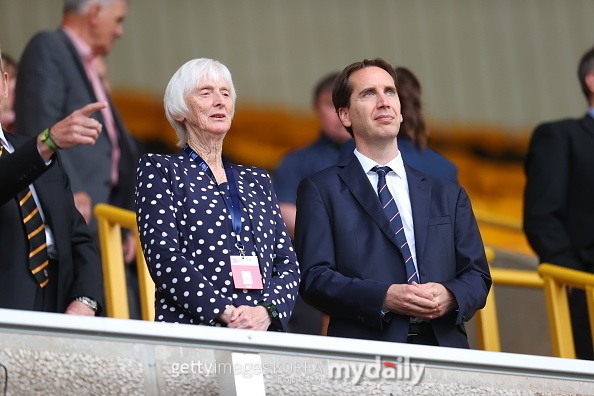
(442, 296)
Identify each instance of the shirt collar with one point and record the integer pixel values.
(591, 112)
(3, 138)
(396, 164)
(84, 50)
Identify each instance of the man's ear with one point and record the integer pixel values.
(93, 12)
(5, 78)
(343, 114)
(590, 83)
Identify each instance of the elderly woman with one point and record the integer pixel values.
(211, 231)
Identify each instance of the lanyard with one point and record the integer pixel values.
(233, 206)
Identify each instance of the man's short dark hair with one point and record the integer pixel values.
(325, 84)
(341, 93)
(585, 67)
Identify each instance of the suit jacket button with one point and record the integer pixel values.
(360, 319)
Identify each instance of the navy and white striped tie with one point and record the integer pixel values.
(391, 209)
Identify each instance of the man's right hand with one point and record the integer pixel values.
(411, 300)
(78, 127)
(84, 205)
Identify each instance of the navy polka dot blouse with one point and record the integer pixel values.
(187, 238)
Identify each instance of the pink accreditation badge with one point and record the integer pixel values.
(246, 272)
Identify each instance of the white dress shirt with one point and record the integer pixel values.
(398, 187)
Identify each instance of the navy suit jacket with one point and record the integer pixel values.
(51, 84)
(79, 267)
(349, 255)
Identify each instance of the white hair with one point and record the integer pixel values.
(80, 6)
(184, 82)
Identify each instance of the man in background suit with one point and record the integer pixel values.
(354, 264)
(71, 266)
(57, 75)
(559, 199)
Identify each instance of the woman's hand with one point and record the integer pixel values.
(245, 317)
(225, 317)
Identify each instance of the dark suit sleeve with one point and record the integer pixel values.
(19, 169)
(40, 92)
(322, 285)
(87, 275)
(545, 196)
(472, 279)
(286, 178)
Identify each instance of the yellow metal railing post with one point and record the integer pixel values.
(110, 220)
(486, 319)
(112, 258)
(590, 300)
(557, 280)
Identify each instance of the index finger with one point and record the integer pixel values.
(91, 108)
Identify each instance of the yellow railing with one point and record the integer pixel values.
(556, 281)
(110, 220)
(497, 220)
(486, 319)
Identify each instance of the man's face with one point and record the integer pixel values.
(108, 26)
(329, 121)
(374, 112)
(3, 90)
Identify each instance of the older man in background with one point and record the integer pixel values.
(57, 75)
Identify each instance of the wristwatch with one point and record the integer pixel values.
(271, 308)
(89, 302)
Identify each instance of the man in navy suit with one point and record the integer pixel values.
(351, 254)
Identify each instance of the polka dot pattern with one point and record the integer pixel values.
(187, 239)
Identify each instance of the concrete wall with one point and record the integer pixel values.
(58, 354)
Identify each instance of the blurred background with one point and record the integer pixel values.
(490, 71)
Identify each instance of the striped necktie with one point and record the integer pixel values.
(391, 209)
(35, 229)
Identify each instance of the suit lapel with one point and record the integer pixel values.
(356, 181)
(420, 201)
(588, 123)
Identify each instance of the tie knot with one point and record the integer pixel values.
(381, 169)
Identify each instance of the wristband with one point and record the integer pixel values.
(47, 139)
(272, 311)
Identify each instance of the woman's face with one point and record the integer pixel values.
(210, 108)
